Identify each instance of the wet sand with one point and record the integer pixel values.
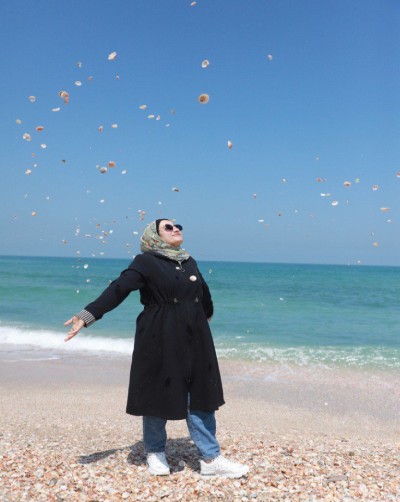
(304, 432)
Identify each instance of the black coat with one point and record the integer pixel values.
(174, 352)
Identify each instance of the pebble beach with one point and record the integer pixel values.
(305, 434)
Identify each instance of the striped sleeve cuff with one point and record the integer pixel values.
(86, 317)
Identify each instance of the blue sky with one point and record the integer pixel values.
(325, 105)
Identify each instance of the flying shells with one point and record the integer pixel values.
(204, 99)
(64, 95)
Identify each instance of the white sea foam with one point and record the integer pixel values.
(25, 338)
(22, 342)
(322, 357)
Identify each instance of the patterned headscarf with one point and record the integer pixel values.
(151, 241)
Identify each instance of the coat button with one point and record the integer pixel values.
(193, 278)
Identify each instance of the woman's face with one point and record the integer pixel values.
(172, 237)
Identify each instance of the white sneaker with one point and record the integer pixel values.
(224, 468)
(158, 465)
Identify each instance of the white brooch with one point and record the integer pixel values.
(193, 278)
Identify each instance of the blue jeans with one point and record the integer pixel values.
(202, 428)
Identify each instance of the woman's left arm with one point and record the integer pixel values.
(207, 302)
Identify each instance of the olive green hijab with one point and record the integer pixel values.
(151, 241)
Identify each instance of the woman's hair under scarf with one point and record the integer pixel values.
(151, 241)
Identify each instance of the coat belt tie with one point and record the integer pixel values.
(172, 301)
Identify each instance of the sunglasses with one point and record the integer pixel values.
(168, 227)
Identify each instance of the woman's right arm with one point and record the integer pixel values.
(130, 280)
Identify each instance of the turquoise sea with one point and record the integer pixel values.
(307, 315)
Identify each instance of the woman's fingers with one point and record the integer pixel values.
(70, 335)
(77, 324)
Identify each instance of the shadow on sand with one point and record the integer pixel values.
(177, 451)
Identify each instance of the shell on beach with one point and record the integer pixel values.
(205, 63)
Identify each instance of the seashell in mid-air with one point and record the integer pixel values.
(204, 99)
(64, 95)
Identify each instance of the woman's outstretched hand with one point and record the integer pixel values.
(77, 324)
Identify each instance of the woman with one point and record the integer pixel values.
(174, 372)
